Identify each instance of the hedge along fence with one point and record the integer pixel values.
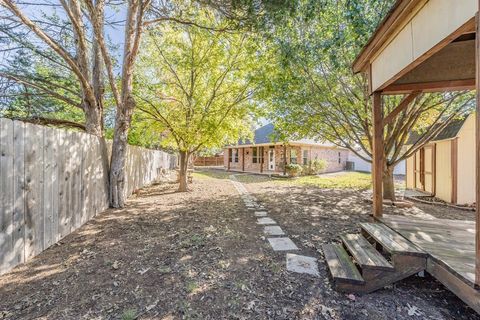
(52, 181)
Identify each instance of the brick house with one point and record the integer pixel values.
(266, 155)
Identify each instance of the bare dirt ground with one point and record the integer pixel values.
(200, 255)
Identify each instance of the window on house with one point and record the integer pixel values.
(229, 155)
(260, 154)
(293, 156)
(305, 157)
(339, 157)
(255, 155)
(236, 155)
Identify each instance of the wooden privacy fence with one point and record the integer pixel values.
(208, 161)
(52, 181)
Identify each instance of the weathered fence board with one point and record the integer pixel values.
(48, 182)
(6, 193)
(53, 181)
(18, 192)
(34, 218)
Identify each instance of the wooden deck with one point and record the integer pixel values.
(450, 245)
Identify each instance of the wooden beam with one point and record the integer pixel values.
(377, 159)
(401, 106)
(477, 153)
(284, 159)
(439, 86)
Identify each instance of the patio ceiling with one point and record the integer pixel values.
(422, 46)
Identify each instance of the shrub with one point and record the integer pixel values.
(318, 165)
(293, 169)
(315, 167)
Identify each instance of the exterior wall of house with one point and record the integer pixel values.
(336, 158)
(466, 162)
(248, 153)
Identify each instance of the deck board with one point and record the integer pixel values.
(450, 243)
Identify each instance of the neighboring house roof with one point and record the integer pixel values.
(268, 135)
(449, 132)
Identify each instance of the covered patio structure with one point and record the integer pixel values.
(428, 46)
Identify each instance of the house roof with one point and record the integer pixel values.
(449, 132)
(265, 134)
(268, 135)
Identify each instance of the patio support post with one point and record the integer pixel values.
(243, 159)
(477, 153)
(261, 152)
(229, 156)
(284, 160)
(377, 155)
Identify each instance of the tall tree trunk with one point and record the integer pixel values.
(94, 119)
(119, 154)
(388, 183)
(182, 175)
(97, 73)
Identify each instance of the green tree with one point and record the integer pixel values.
(195, 86)
(315, 94)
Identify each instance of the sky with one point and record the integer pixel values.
(114, 33)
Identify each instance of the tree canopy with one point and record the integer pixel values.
(196, 86)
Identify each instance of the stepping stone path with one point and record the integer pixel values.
(282, 244)
(295, 263)
(273, 231)
(265, 220)
(260, 213)
(302, 264)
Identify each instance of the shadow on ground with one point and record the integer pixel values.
(200, 255)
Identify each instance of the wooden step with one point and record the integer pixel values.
(340, 264)
(390, 240)
(364, 253)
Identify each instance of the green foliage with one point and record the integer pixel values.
(293, 169)
(195, 86)
(20, 100)
(314, 94)
(350, 180)
(315, 167)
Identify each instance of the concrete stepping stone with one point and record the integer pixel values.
(273, 231)
(264, 221)
(302, 264)
(260, 213)
(282, 244)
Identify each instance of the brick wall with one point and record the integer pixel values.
(336, 158)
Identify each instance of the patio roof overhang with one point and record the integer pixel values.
(422, 46)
